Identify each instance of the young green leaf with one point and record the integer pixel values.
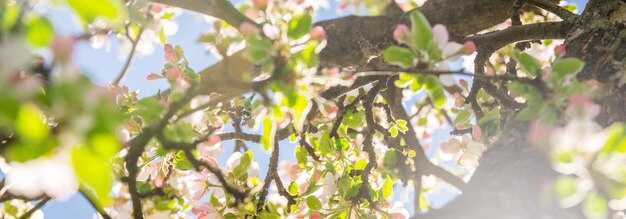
(40, 32)
(387, 188)
(399, 56)
(421, 32)
(529, 64)
(299, 26)
(314, 203)
(267, 139)
(567, 66)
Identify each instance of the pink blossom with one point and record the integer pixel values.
(451, 146)
(401, 34)
(204, 211)
(580, 105)
(149, 171)
(197, 186)
(289, 170)
(318, 33)
(170, 54)
(248, 29)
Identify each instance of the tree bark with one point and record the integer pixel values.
(514, 179)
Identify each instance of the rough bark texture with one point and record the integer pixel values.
(514, 178)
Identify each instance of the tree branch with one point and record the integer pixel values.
(554, 8)
(221, 9)
(500, 38)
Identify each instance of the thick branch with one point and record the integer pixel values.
(221, 9)
(498, 39)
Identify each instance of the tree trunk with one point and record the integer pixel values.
(514, 179)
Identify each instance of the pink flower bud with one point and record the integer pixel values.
(315, 215)
(260, 4)
(463, 83)
(318, 33)
(170, 54)
(469, 48)
(560, 50)
(401, 33)
(248, 29)
(153, 76)
(172, 74)
(213, 139)
(63, 46)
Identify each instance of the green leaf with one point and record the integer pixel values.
(293, 188)
(393, 131)
(301, 155)
(314, 203)
(299, 26)
(299, 108)
(616, 139)
(258, 50)
(267, 139)
(40, 32)
(402, 125)
(462, 117)
(399, 56)
(30, 125)
(180, 132)
(421, 32)
(9, 15)
(92, 170)
(529, 64)
(567, 66)
(387, 188)
(241, 169)
(435, 90)
(90, 10)
(149, 109)
(360, 164)
(341, 143)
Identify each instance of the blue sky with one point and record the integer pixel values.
(104, 65)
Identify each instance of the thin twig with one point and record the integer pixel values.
(129, 59)
(35, 208)
(94, 203)
(554, 8)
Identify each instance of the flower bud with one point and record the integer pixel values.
(248, 29)
(469, 48)
(402, 33)
(318, 33)
(170, 54)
